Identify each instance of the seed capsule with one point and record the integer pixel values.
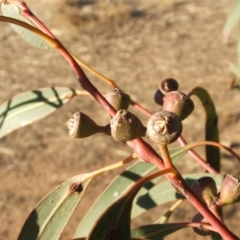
(200, 230)
(230, 191)
(164, 127)
(158, 97)
(168, 85)
(205, 188)
(178, 103)
(82, 126)
(118, 99)
(126, 126)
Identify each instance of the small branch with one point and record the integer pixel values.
(142, 149)
(83, 80)
(216, 144)
(115, 165)
(100, 171)
(72, 59)
(166, 156)
(96, 73)
(197, 157)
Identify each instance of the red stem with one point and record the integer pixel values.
(144, 151)
(82, 78)
(27, 13)
(198, 158)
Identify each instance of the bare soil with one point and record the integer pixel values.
(137, 44)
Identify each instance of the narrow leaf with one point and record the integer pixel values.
(164, 192)
(155, 231)
(29, 107)
(114, 191)
(118, 187)
(13, 11)
(114, 223)
(108, 225)
(52, 214)
(232, 19)
(211, 126)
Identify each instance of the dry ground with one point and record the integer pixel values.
(136, 43)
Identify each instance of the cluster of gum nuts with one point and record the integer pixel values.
(163, 127)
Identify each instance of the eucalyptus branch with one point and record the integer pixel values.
(181, 186)
(82, 78)
(72, 59)
(197, 157)
(141, 149)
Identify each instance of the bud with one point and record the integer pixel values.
(158, 97)
(82, 126)
(200, 230)
(230, 191)
(125, 126)
(118, 99)
(206, 190)
(178, 103)
(168, 85)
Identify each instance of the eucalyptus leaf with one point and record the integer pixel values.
(164, 192)
(156, 231)
(13, 11)
(118, 187)
(114, 223)
(211, 126)
(232, 19)
(52, 214)
(31, 106)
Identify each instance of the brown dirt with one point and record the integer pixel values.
(136, 43)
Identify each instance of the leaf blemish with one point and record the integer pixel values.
(75, 187)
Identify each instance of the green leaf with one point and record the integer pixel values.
(29, 107)
(156, 231)
(164, 192)
(211, 126)
(118, 187)
(114, 191)
(52, 214)
(115, 222)
(232, 19)
(13, 11)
